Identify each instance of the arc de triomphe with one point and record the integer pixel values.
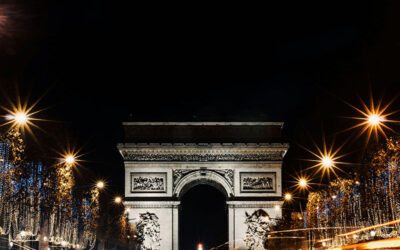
(164, 160)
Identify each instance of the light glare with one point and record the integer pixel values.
(327, 162)
(374, 119)
(70, 159)
(303, 183)
(100, 184)
(21, 118)
(118, 199)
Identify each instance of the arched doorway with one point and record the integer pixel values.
(203, 218)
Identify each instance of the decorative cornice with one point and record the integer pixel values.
(202, 145)
(201, 157)
(203, 152)
(203, 123)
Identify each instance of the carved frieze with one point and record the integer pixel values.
(257, 182)
(148, 182)
(174, 157)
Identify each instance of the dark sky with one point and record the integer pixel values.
(103, 62)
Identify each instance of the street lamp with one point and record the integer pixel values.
(117, 199)
(327, 161)
(100, 184)
(20, 118)
(303, 183)
(288, 197)
(375, 119)
(70, 159)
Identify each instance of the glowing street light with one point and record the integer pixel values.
(327, 162)
(375, 119)
(20, 118)
(303, 183)
(100, 184)
(199, 246)
(288, 197)
(277, 207)
(118, 199)
(326, 159)
(70, 159)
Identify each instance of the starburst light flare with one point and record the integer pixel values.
(374, 118)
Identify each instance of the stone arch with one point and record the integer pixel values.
(203, 177)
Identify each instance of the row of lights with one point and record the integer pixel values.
(373, 120)
(71, 160)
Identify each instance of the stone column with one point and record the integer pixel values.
(231, 224)
(175, 226)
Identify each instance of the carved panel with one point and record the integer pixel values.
(257, 182)
(148, 182)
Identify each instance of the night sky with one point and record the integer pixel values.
(98, 63)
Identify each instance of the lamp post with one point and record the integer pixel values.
(117, 200)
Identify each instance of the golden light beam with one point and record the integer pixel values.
(327, 158)
(302, 183)
(70, 157)
(373, 118)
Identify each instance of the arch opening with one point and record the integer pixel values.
(203, 216)
(203, 177)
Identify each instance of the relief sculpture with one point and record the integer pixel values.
(148, 232)
(257, 182)
(148, 182)
(258, 225)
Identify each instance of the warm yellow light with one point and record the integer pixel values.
(375, 119)
(327, 162)
(386, 243)
(70, 159)
(277, 207)
(20, 118)
(303, 183)
(288, 196)
(100, 184)
(118, 199)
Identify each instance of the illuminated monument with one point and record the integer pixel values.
(164, 160)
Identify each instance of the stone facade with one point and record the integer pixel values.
(158, 174)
